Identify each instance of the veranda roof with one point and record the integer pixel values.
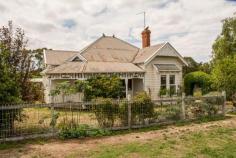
(94, 67)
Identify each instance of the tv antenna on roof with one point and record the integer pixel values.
(144, 18)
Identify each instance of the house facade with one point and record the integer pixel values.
(150, 68)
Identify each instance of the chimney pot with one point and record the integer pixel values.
(146, 35)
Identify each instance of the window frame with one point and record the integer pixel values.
(172, 84)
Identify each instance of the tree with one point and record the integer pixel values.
(195, 66)
(18, 58)
(9, 88)
(205, 67)
(225, 44)
(224, 52)
(192, 66)
(197, 79)
(224, 75)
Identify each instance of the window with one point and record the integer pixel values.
(163, 82)
(172, 85)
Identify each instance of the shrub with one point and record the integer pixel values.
(206, 106)
(142, 108)
(103, 86)
(199, 78)
(105, 111)
(81, 131)
(108, 111)
(173, 112)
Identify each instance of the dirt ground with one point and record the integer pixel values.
(61, 149)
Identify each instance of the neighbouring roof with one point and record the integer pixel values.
(110, 49)
(57, 57)
(167, 67)
(145, 53)
(94, 67)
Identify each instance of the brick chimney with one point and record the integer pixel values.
(146, 37)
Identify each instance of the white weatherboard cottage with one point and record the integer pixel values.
(149, 68)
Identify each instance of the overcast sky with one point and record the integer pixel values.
(190, 26)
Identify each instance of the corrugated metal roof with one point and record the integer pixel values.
(167, 67)
(110, 49)
(57, 57)
(68, 67)
(94, 67)
(145, 53)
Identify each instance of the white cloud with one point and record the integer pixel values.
(190, 26)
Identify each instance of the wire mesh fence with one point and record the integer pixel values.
(20, 121)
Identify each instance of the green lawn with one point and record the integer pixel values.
(216, 143)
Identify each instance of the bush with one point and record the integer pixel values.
(173, 112)
(198, 78)
(81, 131)
(142, 108)
(106, 112)
(208, 106)
(103, 86)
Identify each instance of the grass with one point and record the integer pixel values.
(216, 143)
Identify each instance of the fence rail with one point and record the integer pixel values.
(20, 121)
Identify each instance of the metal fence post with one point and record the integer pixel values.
(52, 117)
(183, 106)
(224, 103)
(129, 114)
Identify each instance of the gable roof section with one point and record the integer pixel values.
(77, 57)
(110, 49)
(94, 67)
(57, 57)
(145, 55)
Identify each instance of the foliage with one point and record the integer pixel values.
(16, 57)
(195, 66)
(14, 73)
(64, 88)
(224, 58)
(106, 111)
(224, 76)
(225, 44)
(36, 92)
(205, 106)
(173, 112)
(169, 92)
(199, 79)
(9, 88)
(81, 131)
(103, 86)
(142, 108)
(192, 65)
